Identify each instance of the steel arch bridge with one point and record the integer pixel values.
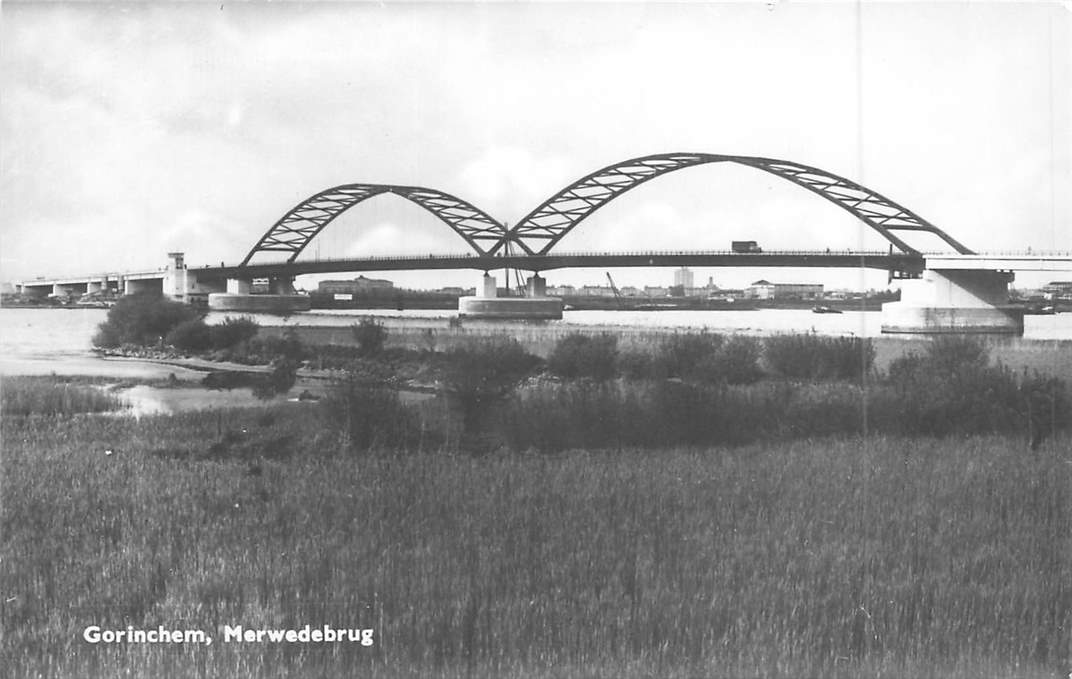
(540, 230)
(304, 221)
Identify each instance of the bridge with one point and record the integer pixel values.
(958, 291)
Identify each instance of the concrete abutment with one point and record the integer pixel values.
(954, 301)
(535, 306)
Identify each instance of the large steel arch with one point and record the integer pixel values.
(308, 218)
(542, 228)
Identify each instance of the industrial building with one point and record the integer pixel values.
(763, 289)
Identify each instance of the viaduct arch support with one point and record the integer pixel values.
(304, 221)
(545, 226)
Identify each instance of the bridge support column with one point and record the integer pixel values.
(281, 298)
(536, 286)
(954, 301)
(487, 304)
(237, 286)
(281, 285)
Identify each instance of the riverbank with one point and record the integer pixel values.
(1053, 357)
(438, 334)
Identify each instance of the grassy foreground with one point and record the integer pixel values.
(836, 557)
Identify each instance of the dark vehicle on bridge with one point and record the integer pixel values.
(743, 246)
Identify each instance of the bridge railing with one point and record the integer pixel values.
(626, 253)
(1005, 253)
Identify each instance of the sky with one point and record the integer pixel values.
(131, 130)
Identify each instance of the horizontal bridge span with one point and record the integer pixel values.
(902, 262)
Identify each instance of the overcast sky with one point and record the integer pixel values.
(131, 130)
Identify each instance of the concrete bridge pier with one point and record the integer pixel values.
(281, 298)
(281, 285)
(487, 304)
(954, 301)
(238, 286)
(536, 286)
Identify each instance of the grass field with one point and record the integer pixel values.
(840, 557)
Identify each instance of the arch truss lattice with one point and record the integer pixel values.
(307, 219)
(545, 226)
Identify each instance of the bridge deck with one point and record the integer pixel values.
(899, 262)
(820, 259)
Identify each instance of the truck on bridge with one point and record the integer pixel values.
(745, 246)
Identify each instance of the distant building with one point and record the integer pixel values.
(596, 291)
(358, 286)
(727, 294)
(683, 278)
(764, 289)
(761, 289)
(656, 291)
(1058, 290)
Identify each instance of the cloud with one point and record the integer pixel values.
(141, 125)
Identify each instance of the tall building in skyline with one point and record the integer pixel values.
(683, 277)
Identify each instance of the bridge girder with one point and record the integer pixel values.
(303, 222)
(545, 226)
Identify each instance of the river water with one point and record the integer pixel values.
(41, 341)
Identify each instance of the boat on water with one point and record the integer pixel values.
(825, 310)
(1040, 310)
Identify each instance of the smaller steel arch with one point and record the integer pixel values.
(304, 221)
(546, 225)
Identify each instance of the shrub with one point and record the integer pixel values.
(679, 355)
(553, 417)
(950, 388)
(142, 319)
(367, 417)
(736, 361)
(951, 354)
(370, 336)
(580, 355)
(813, 356)
(589, 415)
(106, 337)
(479, 373)
(639, 365)
(1046, 406)
(233, 331)
(279, 381)
(676, 356)
(229, 379)
(192, 335)
(263, 350)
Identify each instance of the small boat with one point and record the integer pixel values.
(1040, 310)
(825, 310)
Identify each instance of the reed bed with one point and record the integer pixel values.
(50, 397)
(838, 557)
